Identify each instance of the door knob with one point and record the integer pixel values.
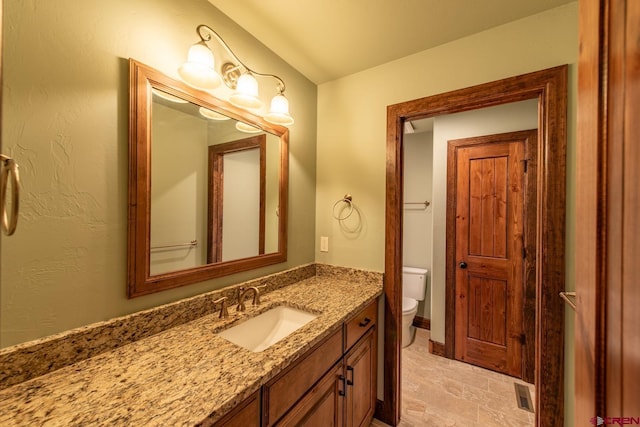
(463, 264)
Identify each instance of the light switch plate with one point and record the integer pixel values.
(324, 244)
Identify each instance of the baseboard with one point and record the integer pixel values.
(436, 348)
(421, 322)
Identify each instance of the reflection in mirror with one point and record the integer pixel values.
(196, 204)
(207, 184)
(237, 218)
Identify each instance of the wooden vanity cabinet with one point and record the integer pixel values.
(246, 414)
(334, 384)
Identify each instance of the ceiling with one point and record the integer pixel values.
(329, 39)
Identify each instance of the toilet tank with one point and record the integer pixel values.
(414, 282)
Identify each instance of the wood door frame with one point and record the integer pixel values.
(550, 88)
(529, 188)
(607, 249)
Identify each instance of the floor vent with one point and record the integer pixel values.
(523, 397)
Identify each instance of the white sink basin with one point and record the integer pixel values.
(266, 329)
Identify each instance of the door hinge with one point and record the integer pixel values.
(526, 164)
(524, 253)
(523, 339)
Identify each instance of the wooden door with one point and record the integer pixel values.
(489, 248)
(607, 341)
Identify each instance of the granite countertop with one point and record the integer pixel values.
(185, 374)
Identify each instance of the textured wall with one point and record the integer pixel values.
(65, 120)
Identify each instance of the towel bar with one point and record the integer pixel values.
(190, 244)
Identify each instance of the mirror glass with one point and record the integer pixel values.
(207, 186)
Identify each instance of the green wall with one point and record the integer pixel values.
(65, 120)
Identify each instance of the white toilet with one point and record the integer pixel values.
(414, 285)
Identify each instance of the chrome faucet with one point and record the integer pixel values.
(242, 293)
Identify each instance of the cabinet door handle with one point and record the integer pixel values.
(344, 387)
(350, 368)
(365, 322)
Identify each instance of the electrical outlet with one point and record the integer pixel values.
(324, 244)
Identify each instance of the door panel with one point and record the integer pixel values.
(489, 253)
(487, 310)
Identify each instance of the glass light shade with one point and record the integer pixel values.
(279, 112)
(213, 115)
(199, 71)
(243, 127)
(246, 94)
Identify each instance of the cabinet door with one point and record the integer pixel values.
(360, 372)
(322, 406)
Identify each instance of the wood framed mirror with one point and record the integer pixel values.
(206, 199)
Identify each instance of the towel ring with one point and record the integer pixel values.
(9, 169)
(349, 201)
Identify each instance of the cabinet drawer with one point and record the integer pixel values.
(360, 323)
(286, 389)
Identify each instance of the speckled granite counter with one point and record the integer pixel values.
(185, 374)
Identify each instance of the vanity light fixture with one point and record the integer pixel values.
(200, 72)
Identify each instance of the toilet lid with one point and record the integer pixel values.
(408, 304)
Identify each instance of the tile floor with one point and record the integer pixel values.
(441, 392)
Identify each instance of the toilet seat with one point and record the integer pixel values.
(408, 305)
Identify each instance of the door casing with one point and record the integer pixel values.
(550, 88)
(607, 255)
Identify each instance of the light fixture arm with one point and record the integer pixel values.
(206, 33)
(199, 72)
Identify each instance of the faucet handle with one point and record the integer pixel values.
(241, 295)
(223, 307)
